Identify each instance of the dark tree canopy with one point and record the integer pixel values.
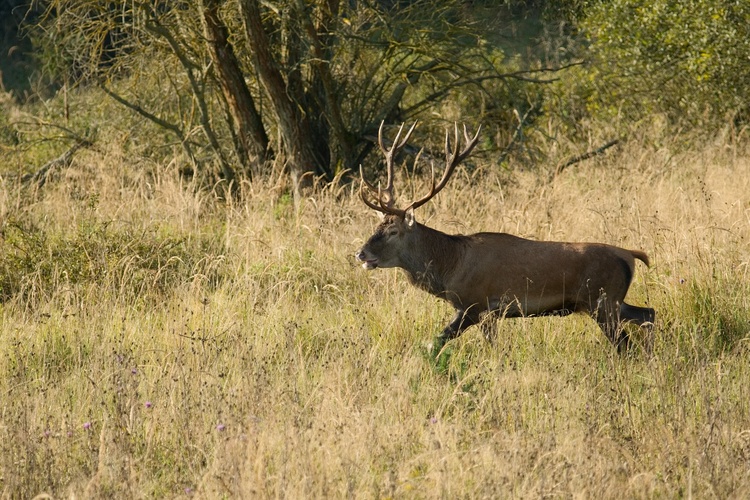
(305, 82)
(245, 87)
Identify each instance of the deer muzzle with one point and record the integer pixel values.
(368, 262)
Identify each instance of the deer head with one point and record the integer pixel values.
(385, 246)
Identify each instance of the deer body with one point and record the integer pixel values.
(502, 274)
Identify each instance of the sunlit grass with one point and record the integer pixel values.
(157, 342)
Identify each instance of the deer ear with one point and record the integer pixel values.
(409, 217)
(381, 215)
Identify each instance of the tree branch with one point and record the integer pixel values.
(151, 117)
(585, 156)
(205, 119)
(62, 161)
(517, 134)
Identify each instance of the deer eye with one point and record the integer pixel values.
(392, 232)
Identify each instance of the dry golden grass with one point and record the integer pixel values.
(173, 345)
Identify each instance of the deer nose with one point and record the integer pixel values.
(360, 256)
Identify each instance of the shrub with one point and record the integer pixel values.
(37, 261)
(687, 60)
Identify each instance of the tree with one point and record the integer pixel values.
(250, 138)
(321, 75)
(685, 59)
(293, 124)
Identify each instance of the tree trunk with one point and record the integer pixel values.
(294, 125)
(251, 143)
(321, 56)
(152, 25)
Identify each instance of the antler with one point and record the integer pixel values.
(386, 198)
(452, 159)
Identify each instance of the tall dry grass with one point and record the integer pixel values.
(157, 342)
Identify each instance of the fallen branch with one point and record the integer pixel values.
(585, 156)
(62, 161)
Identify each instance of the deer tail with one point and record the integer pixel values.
(640, 256)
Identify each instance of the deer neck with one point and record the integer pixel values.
(430, 257)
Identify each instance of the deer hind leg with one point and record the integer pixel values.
(613, 316)
(488, 320)
(489, 325)
(643, 317)
(608, 317)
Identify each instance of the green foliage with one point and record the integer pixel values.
(37, 262)
(687, 60)
(434, 60)
(717, 321)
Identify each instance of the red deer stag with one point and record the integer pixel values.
(497, 273)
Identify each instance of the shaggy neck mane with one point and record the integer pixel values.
(433, 254)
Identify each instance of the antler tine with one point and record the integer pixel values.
(396, 145)
(365, 185)
(381, 206)
(390, 154)
(388, 160)
(452, 159)
(384, 206)
(365, 182)
(470, 142)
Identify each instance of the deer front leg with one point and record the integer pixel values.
(462, 320)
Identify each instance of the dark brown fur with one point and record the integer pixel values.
(497, 273)
(506, 275)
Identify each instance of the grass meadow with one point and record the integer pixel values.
(158, 342)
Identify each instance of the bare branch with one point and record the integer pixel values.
(585, 156)
(517, 134)
(152, 117)
(198, 93)
(62, 161)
